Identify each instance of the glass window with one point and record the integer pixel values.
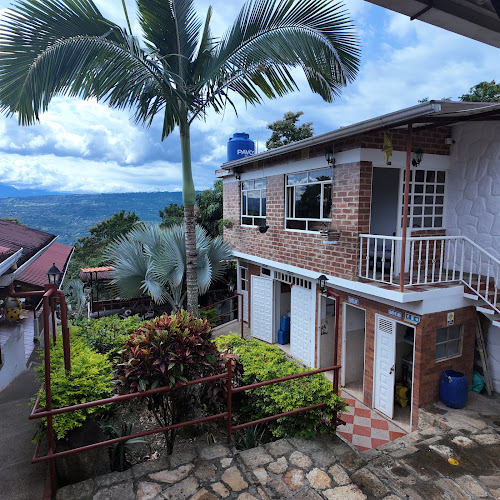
(308, 199)
(449, 342)
(253, 203)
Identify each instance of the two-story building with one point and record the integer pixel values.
(400, 216)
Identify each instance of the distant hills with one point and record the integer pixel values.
(7, 191)
(70, 216)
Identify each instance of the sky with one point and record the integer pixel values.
(87, 147)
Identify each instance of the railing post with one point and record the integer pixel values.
(229, 367)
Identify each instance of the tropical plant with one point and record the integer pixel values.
(90, 379)
(76, 296)
(179, 69)
(120, 452)
(150, 260)
(261, 362)
(483, 92)
(169, 351)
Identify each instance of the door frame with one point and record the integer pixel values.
(344, 340)
(319, 298)
(413, 359)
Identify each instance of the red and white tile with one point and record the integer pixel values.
(366, 428)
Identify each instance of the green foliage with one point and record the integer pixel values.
(483, 92)
(265, 362)
(250, 437)
(210, 314)
(172, 215)
(209, 209)
(90, 379)
(119, 452)
(285, 131)
(168, 351)
(107, 335)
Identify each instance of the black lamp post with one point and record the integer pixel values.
(54, 275)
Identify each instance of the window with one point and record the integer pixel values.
(253, 203)
(426, 199)
(308, 199)
(265, 272)
(449, 342)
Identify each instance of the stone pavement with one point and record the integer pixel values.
(416, 466)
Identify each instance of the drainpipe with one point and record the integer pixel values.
(405, 209)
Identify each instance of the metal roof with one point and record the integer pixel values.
(476, 19)
(95, 273)
(36, 273)
(429, 114)
(15, 237)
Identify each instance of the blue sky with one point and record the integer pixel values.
(84, 147)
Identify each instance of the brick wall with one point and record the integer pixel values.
(351, 214)
(427, 372)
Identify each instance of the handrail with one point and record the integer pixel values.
(497, 261)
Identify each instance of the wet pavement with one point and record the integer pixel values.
(455, 455)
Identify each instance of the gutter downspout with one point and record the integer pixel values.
(405, 209)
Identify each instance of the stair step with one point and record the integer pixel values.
(485, 309)
(471, 296)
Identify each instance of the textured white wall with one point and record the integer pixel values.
(473, 185)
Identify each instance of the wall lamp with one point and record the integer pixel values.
(330, 157)
(54, 275)
(322, 283)
(418, 157)
(262, 229)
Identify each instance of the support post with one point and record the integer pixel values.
(229, 367)
(405, 209)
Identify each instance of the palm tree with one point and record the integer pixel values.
(178, 70)
(152, 261)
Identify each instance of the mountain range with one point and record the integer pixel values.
(70, 215)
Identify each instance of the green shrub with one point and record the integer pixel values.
(167, 351)
(90, 379)
(107, 335)
(263, 362)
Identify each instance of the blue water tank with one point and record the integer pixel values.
(453, 389)
(240, 146)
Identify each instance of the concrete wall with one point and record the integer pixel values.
(13, 358)
(473, 185)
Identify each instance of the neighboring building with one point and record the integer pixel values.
(26, 255)
(393, 327)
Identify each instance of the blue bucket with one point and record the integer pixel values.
(454, 389)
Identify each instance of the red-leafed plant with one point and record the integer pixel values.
(169, 351)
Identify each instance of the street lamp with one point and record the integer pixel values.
(54, 275)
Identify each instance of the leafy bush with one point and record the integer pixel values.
(107, 335)
(168, 351)
(90, 379)
(265, 362)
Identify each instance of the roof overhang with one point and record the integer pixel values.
(427, 115)
(476, 19)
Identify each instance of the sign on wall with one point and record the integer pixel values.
(450, 317)
(396, 314)
(353, 300)
(412, 318)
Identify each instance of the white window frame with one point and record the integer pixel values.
(259, 217)
(243, 277)
(449, 340)
(290, 209)
(427, 205)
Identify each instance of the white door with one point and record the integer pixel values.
(243, 289)
(262, 308)
(302, 324)
(385, 350)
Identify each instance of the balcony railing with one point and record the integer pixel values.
(430, 260)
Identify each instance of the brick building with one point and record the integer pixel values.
(396, 308)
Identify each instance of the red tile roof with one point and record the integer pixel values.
(15, 236)
(36, 273)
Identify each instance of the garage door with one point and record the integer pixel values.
(302, 324)
(262, 306)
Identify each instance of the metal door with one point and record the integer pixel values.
(384, 367)
(262, 308)
(302, 327)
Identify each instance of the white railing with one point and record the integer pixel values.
(431, 259)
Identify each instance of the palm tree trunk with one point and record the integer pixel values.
(189, 199)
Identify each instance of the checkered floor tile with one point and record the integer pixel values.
(365, 428)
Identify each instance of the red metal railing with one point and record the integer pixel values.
(239, 309)
(49, 413)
